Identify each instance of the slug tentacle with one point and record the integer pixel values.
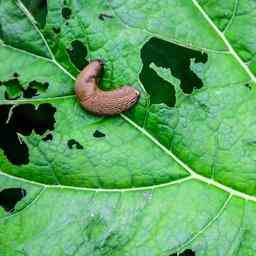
(100, 102)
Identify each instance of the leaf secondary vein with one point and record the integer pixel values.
(223, 37)
(207, 226)
(232, 17)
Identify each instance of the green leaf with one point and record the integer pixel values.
(175, 175)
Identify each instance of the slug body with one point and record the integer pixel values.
(97, 101)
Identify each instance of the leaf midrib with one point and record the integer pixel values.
(193, 174)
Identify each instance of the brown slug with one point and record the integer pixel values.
(97, 101)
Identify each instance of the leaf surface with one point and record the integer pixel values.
(175, 175)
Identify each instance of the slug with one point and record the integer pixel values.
(97, 101)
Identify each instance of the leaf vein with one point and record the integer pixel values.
(222, 36)
(208, 224)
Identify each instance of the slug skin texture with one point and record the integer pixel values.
(98, 102)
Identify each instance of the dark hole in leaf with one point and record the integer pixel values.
(74, 144)
(187, 252)
(15, 74)
(77, 54)
(248, 86)
(10, 197)
(30, 92)
(56, 30)
(48, 137)
(175, 58)
(4, 112)
(103, 16)
(13, 89)
(39, 86)
(66, 13)
(14, 147)
(160, 90)
(24, 119)
(38, 9)
(33, 89)
(98, 134)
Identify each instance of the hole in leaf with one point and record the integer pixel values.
(98, 134)
(23, 120)
(165, 92)
(15, 74)
(33, 89)
(74, 144)
(4, 112)
(77, 54)
(13, 89)
(66, 13)
(175, 58)
(56, 30)
(13, 146)
(30, 92)
(10, 197)
(103, 16)
(187, 252)
(48, 137)
(248, 86)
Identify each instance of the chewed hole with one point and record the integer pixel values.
(66, 13)
(56, 30)
(187, 252)
(13, 89)
(23, 120)
(4, 112)
(72, 144)
(98, 134)
(13, 146)
(176, 60)
(26, 118)
(103, 16)
(248, 86)
(10, 197)
(78, 53)
(48, 137)
(34, 89)
(30, 92)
